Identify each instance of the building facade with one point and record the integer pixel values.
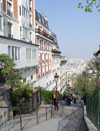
(25, 36)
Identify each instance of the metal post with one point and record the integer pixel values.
(37, 115)
(51, 112)
(20, 121)
(99, 108)
(56, 105)
(46, 113)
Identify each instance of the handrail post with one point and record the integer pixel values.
(51, 112)
(46, 113)
(37, 115)
(20, 121)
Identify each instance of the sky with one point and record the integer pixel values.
(78, 32)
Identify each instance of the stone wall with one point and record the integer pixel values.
(5, 113)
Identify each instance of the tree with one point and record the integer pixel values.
(11, 75)
(83, 82)
(90, 4)
(20, 93)
(94, 67)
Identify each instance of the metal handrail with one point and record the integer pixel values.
(19, 108)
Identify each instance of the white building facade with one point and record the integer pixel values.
(25, 36)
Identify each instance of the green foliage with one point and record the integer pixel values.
(21, 96)
(83, 82)
(90, 4)
(48, 95)
(11, 74)
(64, 94)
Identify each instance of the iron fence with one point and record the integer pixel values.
(93, 107)
(25, 121)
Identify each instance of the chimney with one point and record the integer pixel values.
(45, 18)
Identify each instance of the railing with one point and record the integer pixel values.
(53, 51)
(10, 35)
(36, 118)
(9, 13)
(43, 34)
(93, 107)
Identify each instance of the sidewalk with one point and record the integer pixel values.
(65, 119)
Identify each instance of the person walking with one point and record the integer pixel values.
(74, 96)
(69, 101)
(54, 98)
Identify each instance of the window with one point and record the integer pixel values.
(18, 53)
(20, 31)
(9, 9)
(8, 6)
(25, 12)
(9, 28)
(9, 51)
(20, 10)
(0, 22)
(14, 52)
(30, 18)
(42, 44)
(28, 54)
(25, 33)
(1, 8)
(38, 41)
(33, 54)
(46, 46)
(30, 35)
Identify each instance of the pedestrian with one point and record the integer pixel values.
(54, 98)
(74, 96)
(69, 101)
(66, 100)
(75, 100)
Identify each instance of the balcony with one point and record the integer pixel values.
(9, 13)
(56, 51)
(10, 35)
(43, 33)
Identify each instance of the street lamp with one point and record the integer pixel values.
(56, 102)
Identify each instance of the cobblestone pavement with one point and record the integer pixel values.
(67, 118)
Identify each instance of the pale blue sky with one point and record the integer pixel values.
(78, 32)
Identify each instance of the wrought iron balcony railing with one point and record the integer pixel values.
(43, 33)
(9, 13)
(10, 35)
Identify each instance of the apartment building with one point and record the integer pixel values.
(47, 42)
(63, 74)
(17, 36)
(25, 36)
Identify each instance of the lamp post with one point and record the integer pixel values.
(56, 102)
